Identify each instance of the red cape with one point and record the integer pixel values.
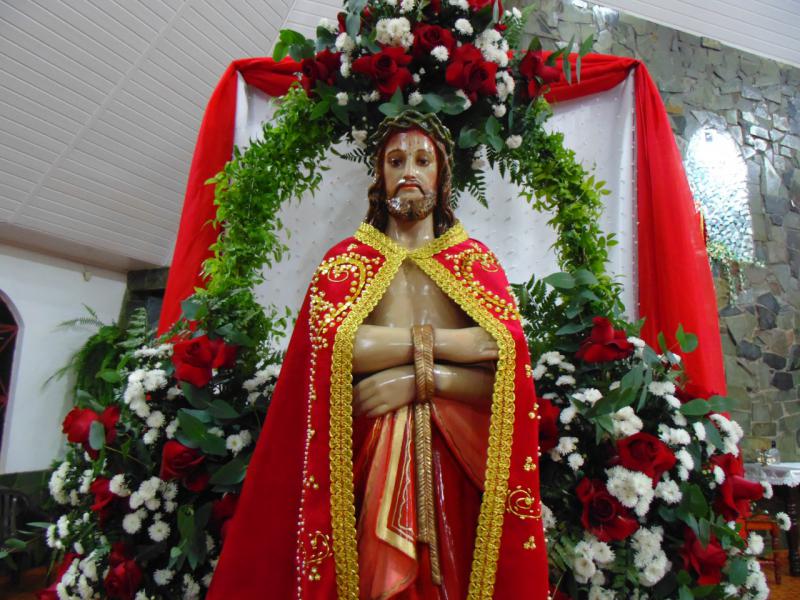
(294, 532)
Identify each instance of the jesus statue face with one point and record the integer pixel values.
(410, 171)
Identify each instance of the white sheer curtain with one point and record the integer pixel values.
(599, 128)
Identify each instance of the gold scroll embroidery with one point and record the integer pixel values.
(315, 550)
(521, 503)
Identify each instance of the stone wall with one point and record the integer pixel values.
(707, 84)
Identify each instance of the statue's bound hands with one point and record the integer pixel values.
(467, 345)
(384, 391)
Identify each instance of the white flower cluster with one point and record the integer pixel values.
(505, 85)
(674, 436)
(649, 555)
(588, 396)
(493, 47)
(784, 522)
(440, 53)
(238, 441)
(462, 4)
(394, 32)
(141, 381)
(731, 432)
(154, 494)
(755, 544)
(77, 581)
(626, 423)
(669, 491)
(756, 583)
(58, 483)
(464, 27)
(590, 555)
(160, 351)
(632, 488)
(328, 25)
(344, 43)
(661, 388)
(264, 379)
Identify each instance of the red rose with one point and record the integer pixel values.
(78, 424)
(104, 499)
(222, 511)
(477, 5)
(548, 425)
(706, 562)
(736, 493)
(184, 464)
(536, 72)
(603, 515)
(604, 343)
(468, 71)
(123, 579)
(428, 37)
(50, 593)
(195, 358)
(645, 453)
(322, 67)
(387, 68)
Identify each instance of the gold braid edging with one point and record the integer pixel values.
(343, 514)
(501, 429)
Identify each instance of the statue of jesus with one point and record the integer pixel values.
(399, 455)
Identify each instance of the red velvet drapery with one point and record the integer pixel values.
(675, 284)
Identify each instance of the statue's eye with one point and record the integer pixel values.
(395, 162)
(423, 161)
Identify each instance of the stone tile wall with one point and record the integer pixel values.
(756, 100)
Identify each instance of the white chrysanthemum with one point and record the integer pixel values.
(173, 393)
(162, 577)
(149, 488)
(784, 522)
(583, 568)
(626, 422)
(539, 371)
(344, 43)
(234, 444)
(686, 460)
(719, 474)
(133, 392)
(171, 429)
(674, 437)
(406, 6)
(683, 473)
(342, 98)
(516, 13)
(679, 420)
(58, 481)
(140, 407)
(415, 98)
(566, 445)
(673, 401)
(567, 366)
(152, 504)
(669, 491)
(136, 500)
(462, 4)
(440, 53)
(565, 380)
(548, 518)
(767, 489)
(359, 136)
(88, 567)
(636, 342)
(118, 487)
(755, 544)
(132, 522)
(50, 536)
(372, 96)
(575, 461)
(592, 395)
(699, 431)
(156, 419)
(655, 570)
(86, 481)
(191, 589)
(632, 488)
(393, 32)
(463, 26)
(596, 592)
(158, 531)
(499, 110)
(155, 380)
(62, 525)
(551, 358)
(602, 552)
(568, 414)
(150, 437)
(661, 388)
(514, 141)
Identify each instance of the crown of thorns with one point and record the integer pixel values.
(412, 119)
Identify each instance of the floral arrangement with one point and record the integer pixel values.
(645, 483)
(644, 479)
(456, 58)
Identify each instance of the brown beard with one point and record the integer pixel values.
(411, 209)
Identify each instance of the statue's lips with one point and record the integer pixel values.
(410, 185)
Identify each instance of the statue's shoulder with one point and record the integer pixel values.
(348, 246)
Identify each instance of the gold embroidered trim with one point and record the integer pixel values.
(522, 503)
(343, 512)
(501, 429)
(387, 246)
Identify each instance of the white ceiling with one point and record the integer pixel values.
(101, 100)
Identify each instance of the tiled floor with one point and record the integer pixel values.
(34, 580)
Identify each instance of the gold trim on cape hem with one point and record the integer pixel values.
(490, 520)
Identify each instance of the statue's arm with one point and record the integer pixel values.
(390, 389)
(378, 347)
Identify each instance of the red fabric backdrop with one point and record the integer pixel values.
(675, 284)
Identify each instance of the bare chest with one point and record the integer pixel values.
(414, 299)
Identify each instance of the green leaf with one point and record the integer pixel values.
(353, 24)
(340, 112)
(695, 500)
(222, 410)
(232, 335)
(289, 36)
(584, 277)
(200, 415)
(704, 532)
(662, 342)
(687, 341)
(191, 426)
(454, 105)
(110, 375)
(197, 397)
(15, 544)
(468, 138)
(535, 45)
(720, 403)
(586, 45)
(561, 281)
(280, 52)
(737, 571)
(97, 435)
(695, 408)
(231, 473)
(684, 593)
(432, 103)
(570, 328)
(389, 109)
(712, 435)
(186, 521)
(320, 109)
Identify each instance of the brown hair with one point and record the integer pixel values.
(378, 214)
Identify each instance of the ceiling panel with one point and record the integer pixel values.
(101, 101)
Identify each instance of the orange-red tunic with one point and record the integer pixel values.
(327, 510)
